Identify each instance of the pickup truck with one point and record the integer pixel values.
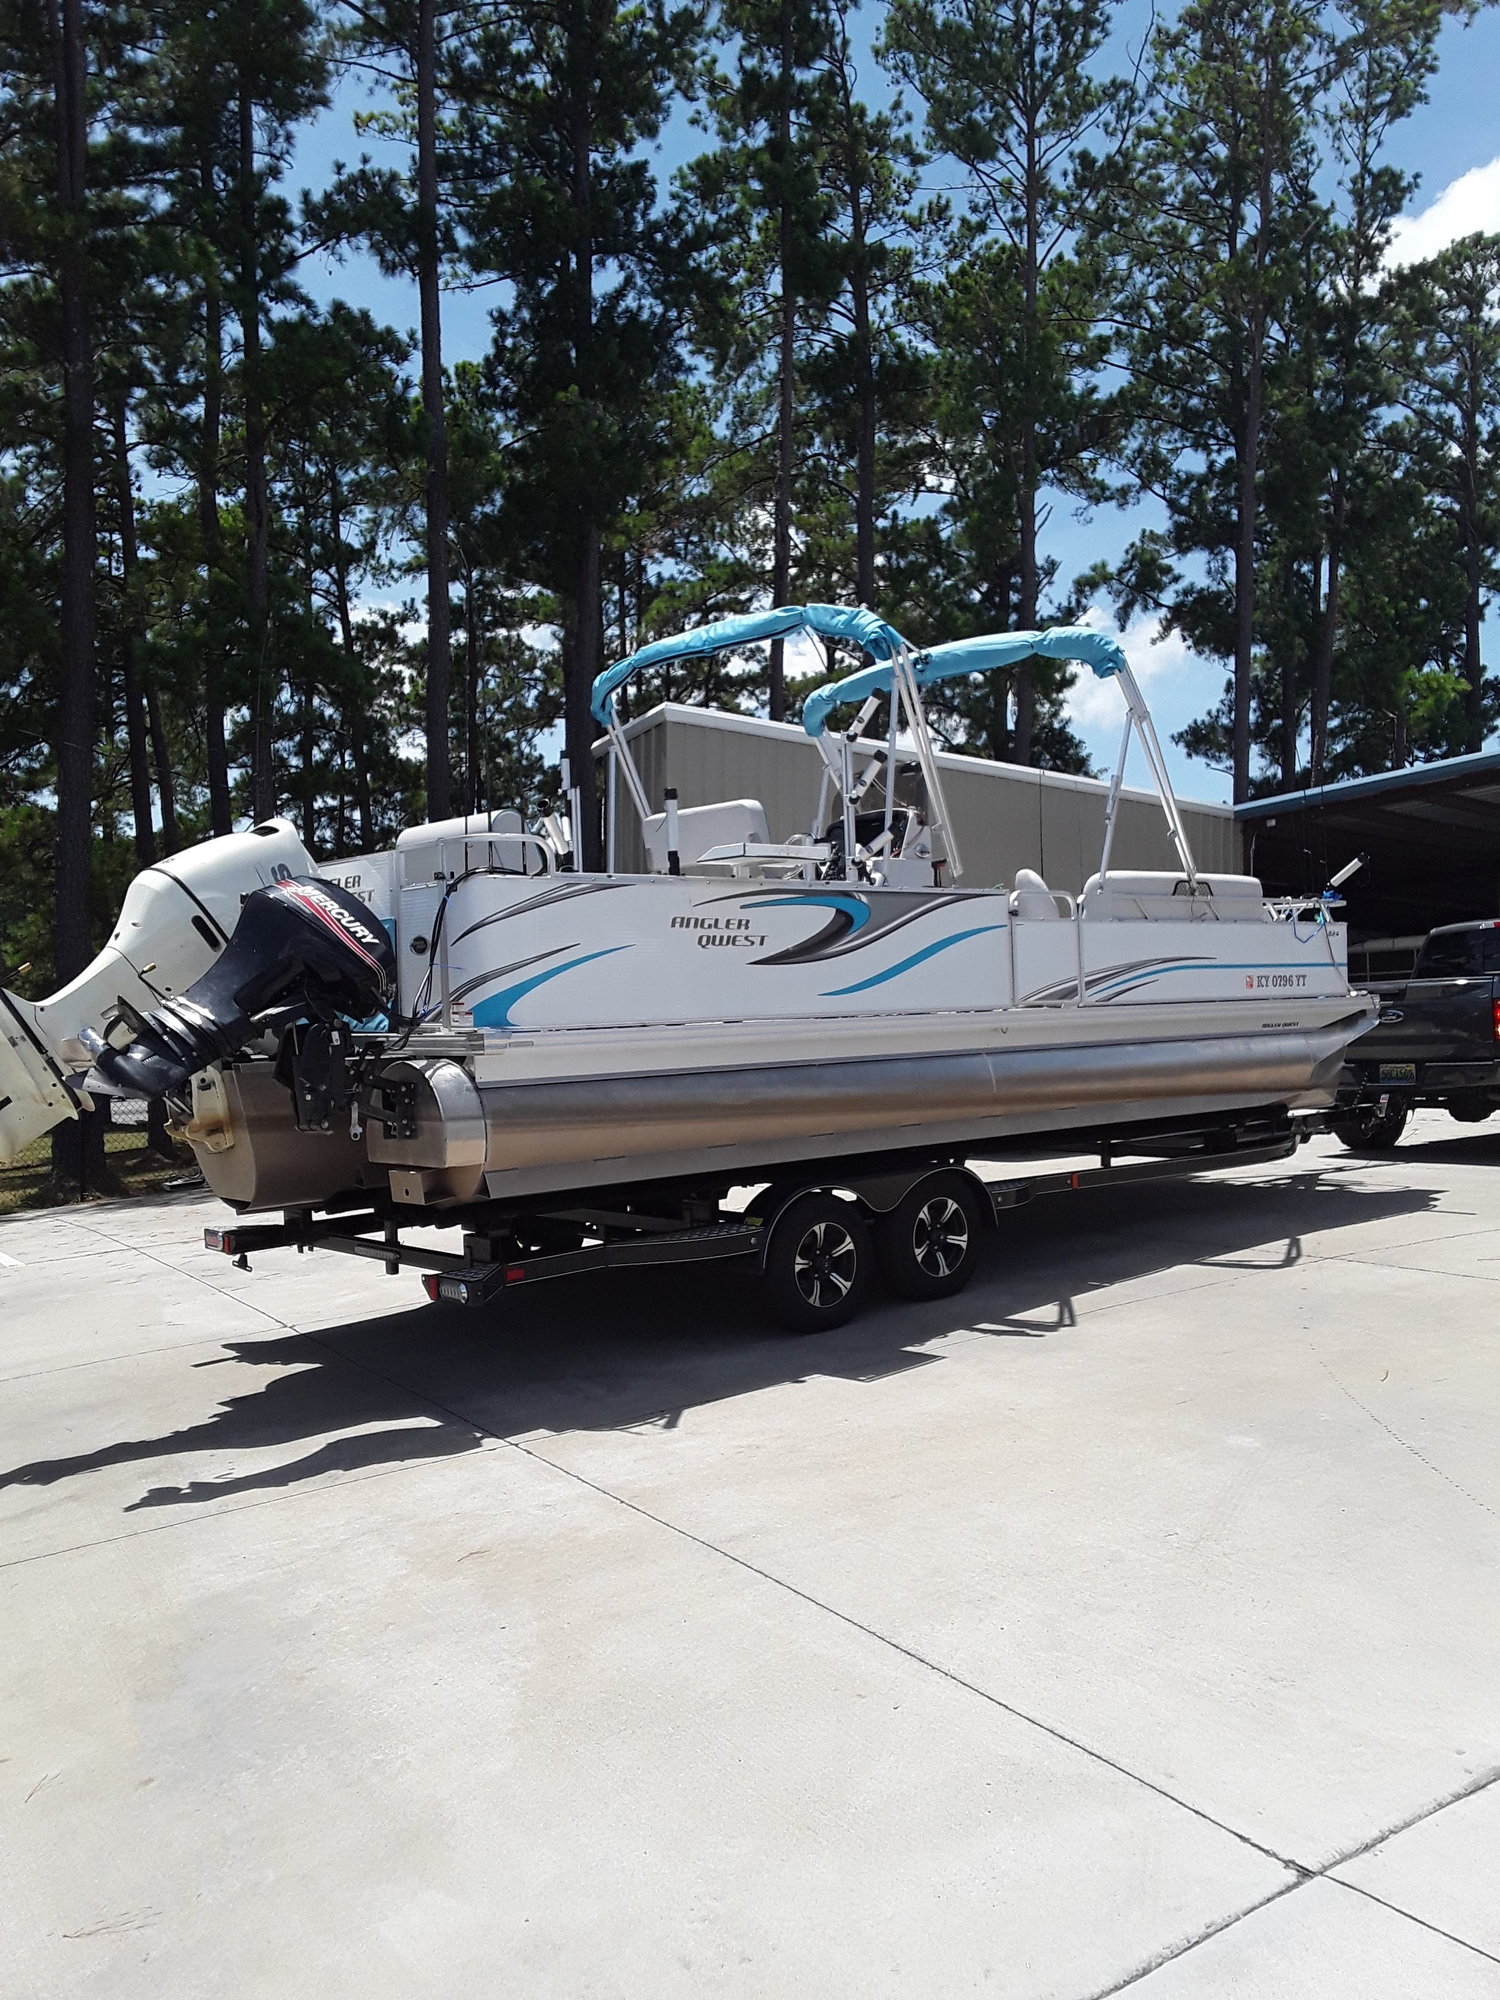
(1437, 1041)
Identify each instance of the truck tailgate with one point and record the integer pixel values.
(1433, 1020)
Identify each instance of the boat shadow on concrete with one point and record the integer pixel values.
(638, 1349)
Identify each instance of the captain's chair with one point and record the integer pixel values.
(1032, 901)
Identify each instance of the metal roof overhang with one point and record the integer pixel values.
(1432, 833)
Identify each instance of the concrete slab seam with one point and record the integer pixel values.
(1396, 1437)
(1324, 1874)
(910, 1653)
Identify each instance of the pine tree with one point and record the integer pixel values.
(555, 110)
(1215, 210)
(1012, 92)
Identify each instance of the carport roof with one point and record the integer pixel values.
(1451, 776)
(1431, 831)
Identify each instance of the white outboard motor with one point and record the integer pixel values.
(176, 919)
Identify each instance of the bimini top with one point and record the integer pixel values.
(969, 656)
(831, 621)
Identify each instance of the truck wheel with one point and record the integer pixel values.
(817, 1266)
(1470, 1110)
(928, 1244)
(1366, 1131)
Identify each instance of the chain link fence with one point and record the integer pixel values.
(137, 1157)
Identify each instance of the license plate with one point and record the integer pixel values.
(1398, 1072)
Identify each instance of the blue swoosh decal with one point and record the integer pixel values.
(906, 964)
(494, 1011)
(856, 910)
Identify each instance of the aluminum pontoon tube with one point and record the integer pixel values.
(558, 1124)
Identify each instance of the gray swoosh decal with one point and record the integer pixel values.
(542, 902)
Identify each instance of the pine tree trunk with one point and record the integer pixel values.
(263, 679)
(1288, 745)
(786, 359)
(356, 731)
(306, 747)
(1244, 579)
(135, 719)
(864, 356)
(1027, 610)
(583, 658)
(216, 750)
(583, 663)
(78, 1146)
(439, 637)
(76, 666)
(161, 756)
(1471, 473)
(1321, 697)
(473, 787)
(1248, 469)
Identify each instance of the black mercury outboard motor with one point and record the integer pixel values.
(304, 948)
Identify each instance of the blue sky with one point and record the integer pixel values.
(1452, 143)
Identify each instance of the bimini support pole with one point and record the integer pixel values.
(1146, 728)
(1112, 803)
(894, 723)
(626, 763)
(916, 722)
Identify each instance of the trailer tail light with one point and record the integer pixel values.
(223, 1239)
(1495, 1010)
(440, 1285)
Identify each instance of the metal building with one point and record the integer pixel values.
(1005, 816)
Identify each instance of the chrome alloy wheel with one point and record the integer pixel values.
(824, 1265)
(940, 1236)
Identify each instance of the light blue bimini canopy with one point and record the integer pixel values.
(830, 621)
(968, 656)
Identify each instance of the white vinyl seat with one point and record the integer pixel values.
(1167, 897)
(1032, 901)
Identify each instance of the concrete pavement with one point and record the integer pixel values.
(1128, 1623)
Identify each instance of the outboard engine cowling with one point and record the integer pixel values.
(301, 947)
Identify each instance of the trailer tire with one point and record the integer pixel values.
(1369, 1131)
(817, 1263)
(928, 1244)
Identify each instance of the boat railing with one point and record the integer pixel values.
(492, 839)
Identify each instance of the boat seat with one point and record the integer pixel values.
(1032, 900)
(731, 822)
(1163, 896)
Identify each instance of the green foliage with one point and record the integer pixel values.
(796, 368)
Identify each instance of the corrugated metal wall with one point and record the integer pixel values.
(1006, 817)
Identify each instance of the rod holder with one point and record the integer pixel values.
(674, 861)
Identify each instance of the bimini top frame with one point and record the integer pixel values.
(881, 643)
(905, 674)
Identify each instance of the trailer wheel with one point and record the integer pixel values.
(1368, 1131)
(817, 1263)
(928, 1244)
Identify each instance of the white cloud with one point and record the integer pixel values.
(1095, 705)
(1466, 205)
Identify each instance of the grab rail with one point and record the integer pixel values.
(543, 847)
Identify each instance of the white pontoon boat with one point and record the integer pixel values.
(466, 1021)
